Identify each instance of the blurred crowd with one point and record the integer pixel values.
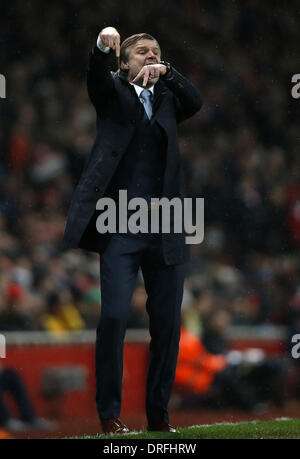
(240, 155)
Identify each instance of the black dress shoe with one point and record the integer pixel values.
(163, 427)
(113, 426)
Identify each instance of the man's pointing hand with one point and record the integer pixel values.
(150, 72)
(111, 37)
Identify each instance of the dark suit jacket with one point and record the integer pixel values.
(117, 108)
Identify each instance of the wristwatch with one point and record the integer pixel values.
(168, 67)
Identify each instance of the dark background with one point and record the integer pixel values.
(241, 153)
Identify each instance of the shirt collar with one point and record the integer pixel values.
(139, 89)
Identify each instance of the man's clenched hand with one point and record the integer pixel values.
(111, 37)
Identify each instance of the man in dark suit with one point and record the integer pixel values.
(136, 149)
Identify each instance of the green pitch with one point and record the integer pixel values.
(281, 428)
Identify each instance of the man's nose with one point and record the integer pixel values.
(151, 54)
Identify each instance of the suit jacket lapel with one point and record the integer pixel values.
(132, 103)
(159, 92)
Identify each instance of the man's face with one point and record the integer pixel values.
(143, 52)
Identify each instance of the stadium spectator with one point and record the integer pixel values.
(261, 375)
(12, 383)
(202, 376)
(62, 315)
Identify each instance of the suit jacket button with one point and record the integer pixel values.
(133, 121)
(97, 188)
(114, 153)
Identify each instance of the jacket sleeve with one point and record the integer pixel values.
(187, 98)
(100, 85)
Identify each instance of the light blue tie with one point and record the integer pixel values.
(146, 97)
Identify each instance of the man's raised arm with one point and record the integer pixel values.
(99, 79)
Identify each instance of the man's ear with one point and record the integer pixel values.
(125, 66)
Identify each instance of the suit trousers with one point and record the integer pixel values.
(121, 256)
